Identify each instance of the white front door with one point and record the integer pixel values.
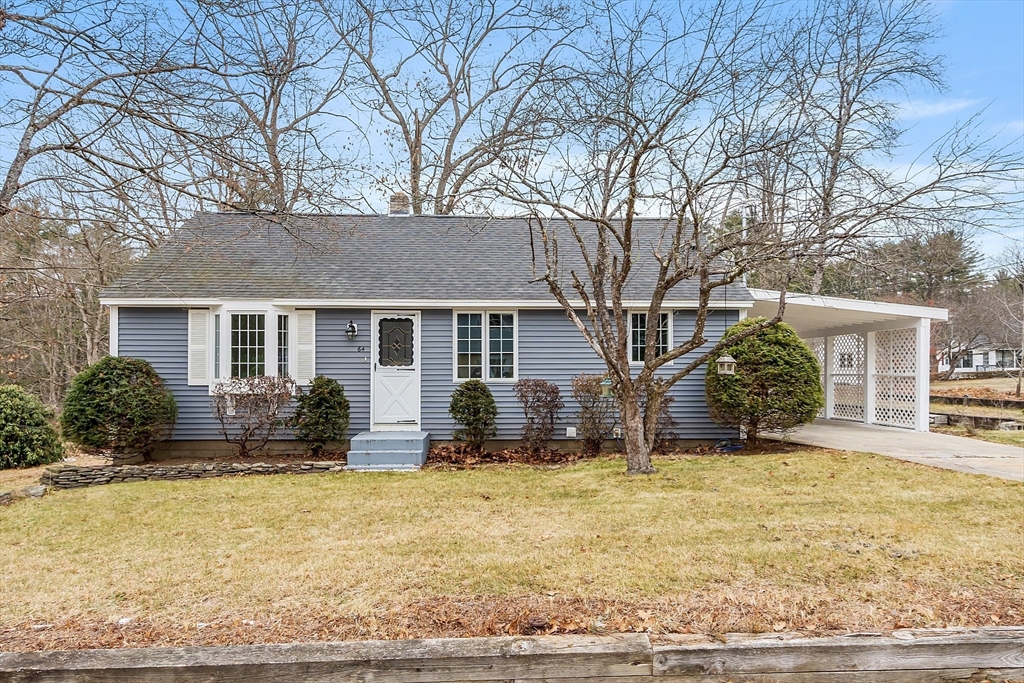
(395, 381)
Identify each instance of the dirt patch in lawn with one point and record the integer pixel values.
(27, 476)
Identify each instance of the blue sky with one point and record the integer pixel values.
(983, 44)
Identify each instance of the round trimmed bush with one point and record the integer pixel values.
(119, 405)
(777, 384)
(321, 414)
(27, 438)
(473, 407)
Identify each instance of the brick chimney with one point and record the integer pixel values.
(399, 205)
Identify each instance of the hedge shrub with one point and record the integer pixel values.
(473, 407)
(322, 414)
(118, 405)
(27, 438)
(777, 384)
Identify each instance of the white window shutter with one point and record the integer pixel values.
(305, 346)
(198, 346)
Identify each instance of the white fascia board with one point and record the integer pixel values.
(405, 303)
(834, 302)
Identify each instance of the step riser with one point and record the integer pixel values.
(387, 445)
(412, 459)
(388, 450)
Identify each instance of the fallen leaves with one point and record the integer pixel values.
(738, 608)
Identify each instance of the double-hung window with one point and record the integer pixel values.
(485, 345)
(282, 345)
(1007, 358)
(248, 345)
(967, 360)
(638, 336)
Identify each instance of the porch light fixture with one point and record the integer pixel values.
(606, 388)
(726, 365)
(352, 330)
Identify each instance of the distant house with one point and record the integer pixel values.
(401, 309)
(987, 357)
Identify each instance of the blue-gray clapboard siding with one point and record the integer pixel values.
(549, 346)
(346, 361)
(160, 336)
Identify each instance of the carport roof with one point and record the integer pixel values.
(826, 316)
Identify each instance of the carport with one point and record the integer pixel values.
(874, 356)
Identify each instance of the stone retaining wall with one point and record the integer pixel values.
(72, 477)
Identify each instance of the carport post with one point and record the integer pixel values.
(830, 387)
(869, 378)
(923, 367)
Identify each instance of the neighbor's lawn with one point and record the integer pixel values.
(1008, 437)
(983, 411)
(816, 539)
(997, 383)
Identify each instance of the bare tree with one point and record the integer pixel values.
(1009, 306)
(689, 114)
(660, 117)
(69, 73)
(263, 129)
(849, 64)
(51, 322)
(453, 82)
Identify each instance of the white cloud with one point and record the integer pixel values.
(917, 109)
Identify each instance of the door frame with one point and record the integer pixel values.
(417, 365)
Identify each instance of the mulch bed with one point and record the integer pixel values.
(267, 458)
(461, 456)
(975, 392)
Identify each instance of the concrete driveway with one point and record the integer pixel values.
(938, 450)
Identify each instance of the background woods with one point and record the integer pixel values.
(765, 132)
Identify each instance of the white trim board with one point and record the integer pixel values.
(418, 304)
(861, 305)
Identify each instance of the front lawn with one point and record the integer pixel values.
(804, 540)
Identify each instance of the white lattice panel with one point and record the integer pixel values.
(818, 348)
(848, 356)
(895, 381)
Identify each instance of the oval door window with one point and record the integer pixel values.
(395, 342)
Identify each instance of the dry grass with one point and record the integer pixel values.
(813, 539)
(1003, 436)
(982, 411)
(996, 383)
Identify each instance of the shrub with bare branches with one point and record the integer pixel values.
(595, 421)
(250, 410)
(541, 400)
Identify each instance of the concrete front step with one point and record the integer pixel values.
(388, 451)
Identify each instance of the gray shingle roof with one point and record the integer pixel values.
(416, 258)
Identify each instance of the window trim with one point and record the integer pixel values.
(485, 358)
(671, 335)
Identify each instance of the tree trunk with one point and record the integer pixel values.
(752, 429)
(638, 450)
